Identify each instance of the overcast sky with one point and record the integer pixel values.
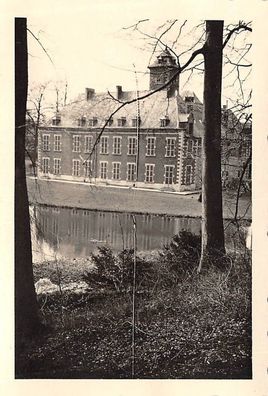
(94, 50)
(90, 47)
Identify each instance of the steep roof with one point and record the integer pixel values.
(151, 110)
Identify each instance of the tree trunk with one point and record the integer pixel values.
(212, 220)
(26, 313)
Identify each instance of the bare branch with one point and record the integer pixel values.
(41, 45)
(135, 26)
(241, 26)
(177, 38)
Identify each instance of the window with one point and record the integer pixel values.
(103, 169)
(92, 122)
(88, 168)
(182, 124)
(56, 168)
(117, 145)
(190, 146)
(164, 122)
(168, 177)
(188, 174)
(189, 99)
(46, 143)
(76, 144)
(45, 166)
(190, 127)
(136, 122)
(121, 121)
(131, 171)
(116, 170)
(57, 142)
(81, 121)
(76, 167)
(56, 120)
(88, 144)
(150, 147)
(104, 145)
(109, 122)
(132, 145)
(199, 149)
(149, 173)
(170, 147)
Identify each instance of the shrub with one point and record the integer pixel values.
(181, 255)
(115, 271)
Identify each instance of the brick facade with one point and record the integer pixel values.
(155, 144)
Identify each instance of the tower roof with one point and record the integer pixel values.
(165, 58)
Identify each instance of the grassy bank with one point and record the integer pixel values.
(92, 197)
(187, 325)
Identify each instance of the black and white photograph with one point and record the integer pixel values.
(133, 181)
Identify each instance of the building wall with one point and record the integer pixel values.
(159, 159)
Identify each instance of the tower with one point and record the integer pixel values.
(162, 70)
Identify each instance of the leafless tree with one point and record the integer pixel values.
(206, 54)
(26, 313)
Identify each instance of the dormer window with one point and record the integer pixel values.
(56, 120)
(110, 122)
(164, 122)
(136, 122)
(182, 124)
(189, 99)
(121, 121)
(81, 121)
(92, 122)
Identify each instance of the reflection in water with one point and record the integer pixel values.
(73, 233)
(77, 232)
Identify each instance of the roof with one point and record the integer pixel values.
(159, 61)
(151, 110)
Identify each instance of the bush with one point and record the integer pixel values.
(181, 256)
(115, 272)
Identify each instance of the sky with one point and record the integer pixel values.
(99, 48)
(94, 52)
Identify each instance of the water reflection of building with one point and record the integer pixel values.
(78, 232)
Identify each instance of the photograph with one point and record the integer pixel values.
(133, 180)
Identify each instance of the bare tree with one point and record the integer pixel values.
(212, 52)
(34, 119)
(212, 219)
(26, 312)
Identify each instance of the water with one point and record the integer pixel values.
(62, 232)
(77, 232)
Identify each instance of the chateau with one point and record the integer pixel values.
(153, 143)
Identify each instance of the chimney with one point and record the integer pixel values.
(89, 93)
(119, 92)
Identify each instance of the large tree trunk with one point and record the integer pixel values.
(26, 313)
(212, 220)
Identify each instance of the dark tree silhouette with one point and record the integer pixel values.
(26, 312)
(212, 220)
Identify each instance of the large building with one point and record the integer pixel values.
(151, 143)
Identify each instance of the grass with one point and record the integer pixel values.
(112, 199)
(192, 327)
